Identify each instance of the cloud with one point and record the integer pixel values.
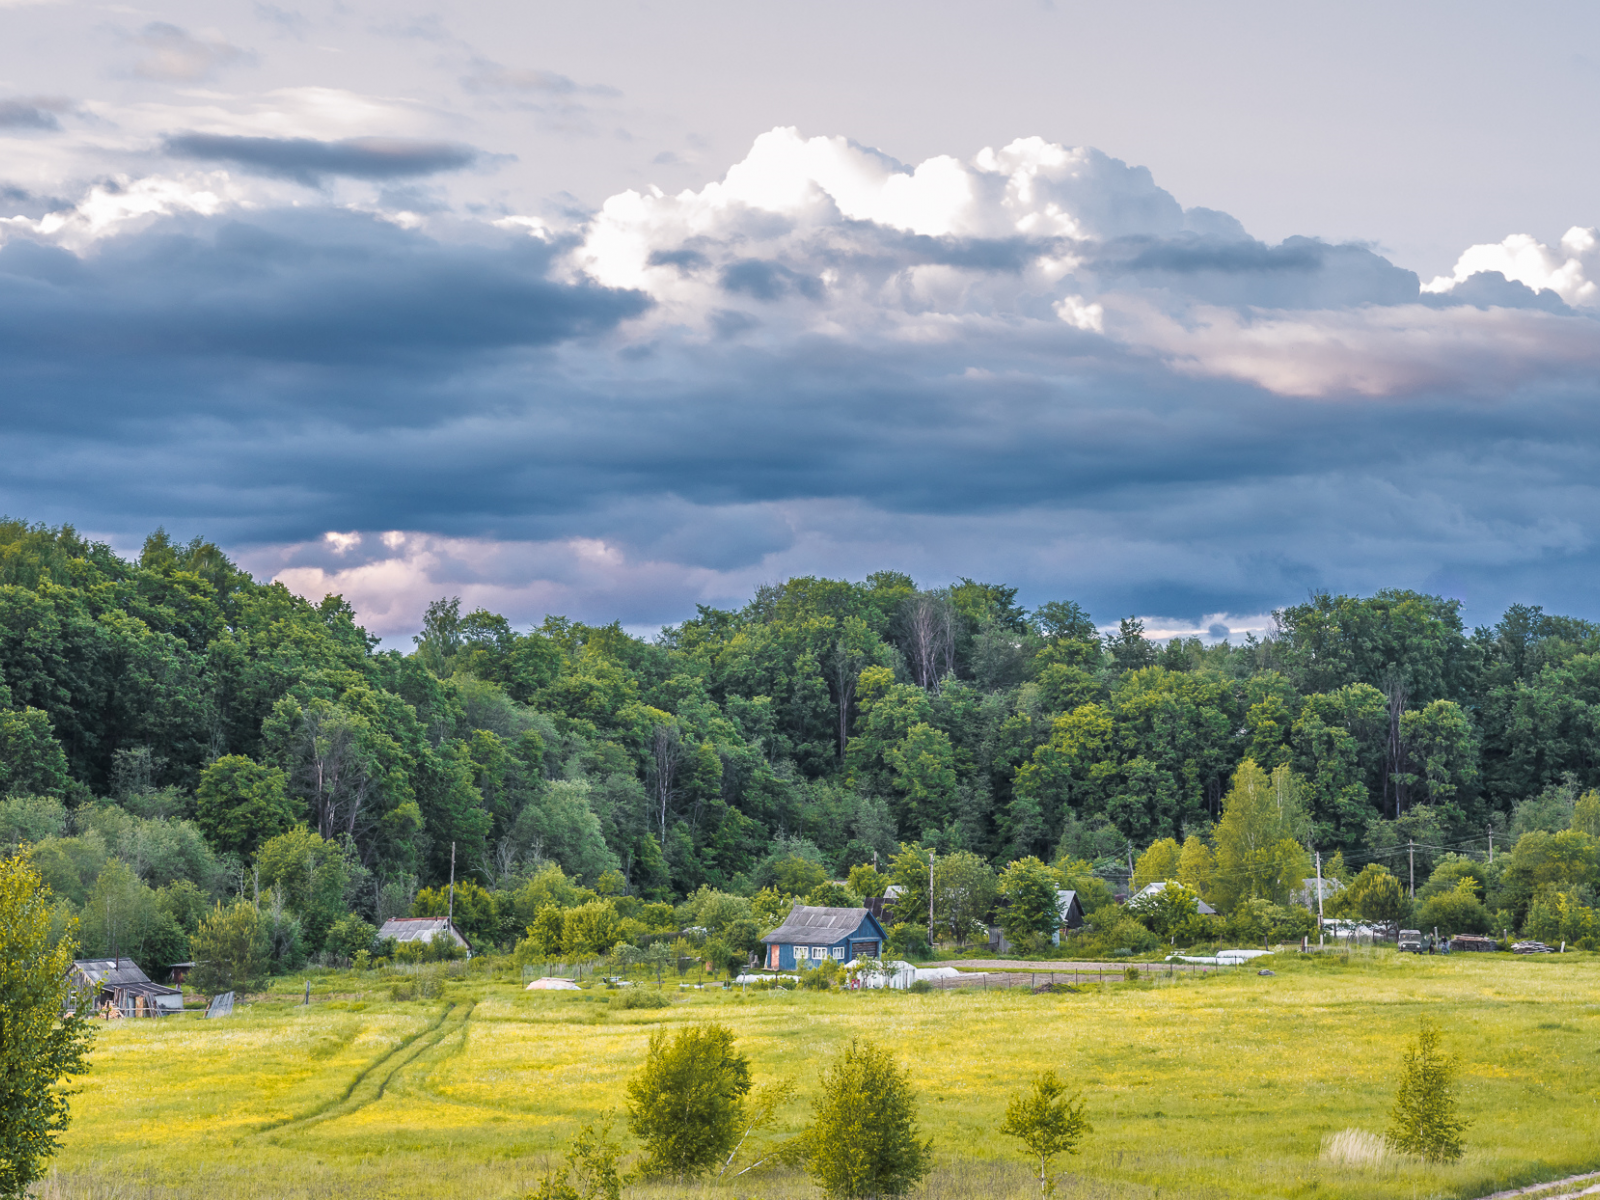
(309, 161)
(487, 76)
(33, 112)
(1567, 271)
(1031, 365)
(120, 205)
(172, 55)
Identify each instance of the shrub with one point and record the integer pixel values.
(1456, 911)
(637, 998)
(1254, 921)
(1123, 933)
(920, 986)
(1172, 912)
(909, 941)
(863, 1140)
(686, 1102)
(1560, 915)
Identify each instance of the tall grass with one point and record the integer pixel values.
(1354, 1148)
(1223, 1086)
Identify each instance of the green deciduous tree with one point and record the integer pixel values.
(1424, 1120)
(1048, 1121)
(241, 804)
(1258, 850)
(1032, 913)
(1172, 912)
(686, 1103)
(39, 1047)
(963, 893)
(230, 949)
(863, 1140)
(1374, 895)
(31, 760)
(1158, 863)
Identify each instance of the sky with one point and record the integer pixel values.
(608, 310)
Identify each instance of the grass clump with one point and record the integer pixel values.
(638, 998)
(1354, 1148)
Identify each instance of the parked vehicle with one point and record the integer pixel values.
(1411, 940)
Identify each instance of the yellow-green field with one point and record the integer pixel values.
(1218, 1086)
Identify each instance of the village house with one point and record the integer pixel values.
(422, 929)
(809, 935)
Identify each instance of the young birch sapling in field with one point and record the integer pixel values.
(1047, 1121)
(687, 1103)
(863, 1140)
(1424, 1121)
(589, 1170)
(759, 1110)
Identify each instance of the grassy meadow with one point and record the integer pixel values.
(1220, 1086)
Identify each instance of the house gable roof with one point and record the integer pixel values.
(1151, 889)
(807, 924)
(419, 929)
(108, 972)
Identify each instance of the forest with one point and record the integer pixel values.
(175, 734)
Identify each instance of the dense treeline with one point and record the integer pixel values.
(172, 725)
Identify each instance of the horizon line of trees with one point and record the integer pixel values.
(166, 722)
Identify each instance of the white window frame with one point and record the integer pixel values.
(838, 953)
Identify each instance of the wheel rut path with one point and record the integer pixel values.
(372, 1081)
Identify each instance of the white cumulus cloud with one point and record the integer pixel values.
(1566, 269)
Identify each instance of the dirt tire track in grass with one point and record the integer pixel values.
(444, 1035)
(405, 1051)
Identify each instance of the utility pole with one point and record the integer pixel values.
(1411, 852)
(1491, 843)
(1319, 898)
(452, 917)
(1130, 870)
(931, 853)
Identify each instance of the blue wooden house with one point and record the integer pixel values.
(809, 935)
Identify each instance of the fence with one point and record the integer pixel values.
(1076, 975)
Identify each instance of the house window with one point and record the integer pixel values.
(838, 953)
(819, 953)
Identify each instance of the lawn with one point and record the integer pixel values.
(1221, 1086)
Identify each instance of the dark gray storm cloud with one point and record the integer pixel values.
(309, 161)
(1035, 367)
(267, 379)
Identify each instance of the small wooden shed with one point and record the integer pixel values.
(120, 988)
